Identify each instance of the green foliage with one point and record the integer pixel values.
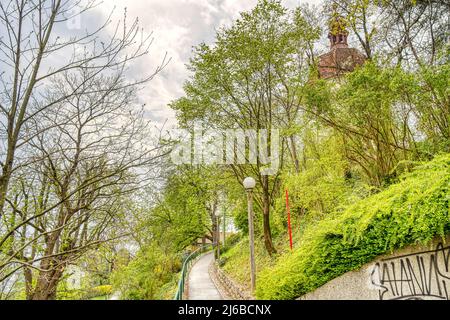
(324, 184)
(231, 241)
(384, 115)
(66, 294)
(241, 220)
(414, 210)
(236, 263)
(104, 290)
(318, 96)
(235, 260)
(250, 78)
(373, 107)
(84, 294)
(188, 202)
(168, 290)
(432, 101)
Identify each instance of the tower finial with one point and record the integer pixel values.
(337, 29)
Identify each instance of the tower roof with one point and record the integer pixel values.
(338, 32)
(340, 59)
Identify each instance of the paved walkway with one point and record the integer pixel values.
(201, 286)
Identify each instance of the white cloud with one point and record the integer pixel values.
(177, 26)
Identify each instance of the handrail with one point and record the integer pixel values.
(184, 270)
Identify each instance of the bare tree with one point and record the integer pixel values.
(93, 154)
(30, 40)
(75, 141)
(416, 32)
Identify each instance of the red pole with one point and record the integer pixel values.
(289, 219)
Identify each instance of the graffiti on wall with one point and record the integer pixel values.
(416, 276)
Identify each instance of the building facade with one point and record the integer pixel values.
(341, 58)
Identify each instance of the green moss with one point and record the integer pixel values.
(415, 210)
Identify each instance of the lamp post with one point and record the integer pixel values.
(249, 183)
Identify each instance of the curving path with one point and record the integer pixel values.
(201, 286)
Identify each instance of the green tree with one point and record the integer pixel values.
(250, 79)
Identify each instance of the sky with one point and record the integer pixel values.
(176, 26)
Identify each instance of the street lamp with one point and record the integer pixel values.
(249, 184)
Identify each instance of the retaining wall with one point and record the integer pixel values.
(413, 273)
(229, 289)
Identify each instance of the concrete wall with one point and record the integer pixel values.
(415, 272)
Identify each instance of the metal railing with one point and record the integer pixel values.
(187, 263)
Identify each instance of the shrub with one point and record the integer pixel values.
(100, 291)
(146, 274)
(231, 241)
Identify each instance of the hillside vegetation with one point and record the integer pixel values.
(415, 210)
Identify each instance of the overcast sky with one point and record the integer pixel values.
(177, 26)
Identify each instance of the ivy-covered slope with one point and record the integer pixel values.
(415, 210)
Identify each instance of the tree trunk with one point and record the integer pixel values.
(266, 217)
(28, 282)
(214, 235)
(51, 271)
(47, 284)
(5, 177)
(294, 156)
